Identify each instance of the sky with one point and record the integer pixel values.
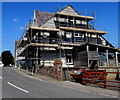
(16, 15)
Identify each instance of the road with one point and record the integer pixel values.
(17, 85)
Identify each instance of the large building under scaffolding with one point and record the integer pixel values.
(68, 35)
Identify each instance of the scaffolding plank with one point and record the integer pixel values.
(42, 44)
(80, 16)
(46, 29)
(72, 44)
(86, 30)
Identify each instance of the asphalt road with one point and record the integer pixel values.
(17, 85)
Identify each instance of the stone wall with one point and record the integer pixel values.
(52, 71)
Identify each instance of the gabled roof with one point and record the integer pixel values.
(42, 17)
(108, 42)
(66, 10)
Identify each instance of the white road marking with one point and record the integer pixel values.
(85, 90)
(1, 78)
(103, 94)
(18, 87)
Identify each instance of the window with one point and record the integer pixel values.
(84, 22)
(76, 34)
(55, 19)
(65, 20)
(71, 21)
(68, 37)
(78, 37)
(61, 19)
(78, 21)
(69, 57)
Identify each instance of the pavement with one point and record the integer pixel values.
(17, 84)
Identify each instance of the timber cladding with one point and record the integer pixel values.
(81, 58)
(92, 55)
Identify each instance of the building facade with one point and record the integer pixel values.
(66, 35)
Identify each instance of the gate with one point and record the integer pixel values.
(94, 77)
(98, 77)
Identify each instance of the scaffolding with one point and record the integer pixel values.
(39, 39)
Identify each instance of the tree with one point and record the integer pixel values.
(7, 58)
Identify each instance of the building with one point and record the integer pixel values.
(67, 35)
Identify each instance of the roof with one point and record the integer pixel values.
(100, 45)
(42, 17)
(70, 11)
(67, 7)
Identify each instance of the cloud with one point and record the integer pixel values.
(21, 28)
(15, 20)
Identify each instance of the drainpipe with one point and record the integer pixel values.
(87, 54)
(98, 57)
(107, 57)
(116, 58)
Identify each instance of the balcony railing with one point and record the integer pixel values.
(46, 40)
(64, 24)
(74, 40)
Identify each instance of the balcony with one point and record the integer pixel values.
(64, 24)
(46, 40)
(80, 40)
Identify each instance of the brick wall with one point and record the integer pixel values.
(52, 71)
